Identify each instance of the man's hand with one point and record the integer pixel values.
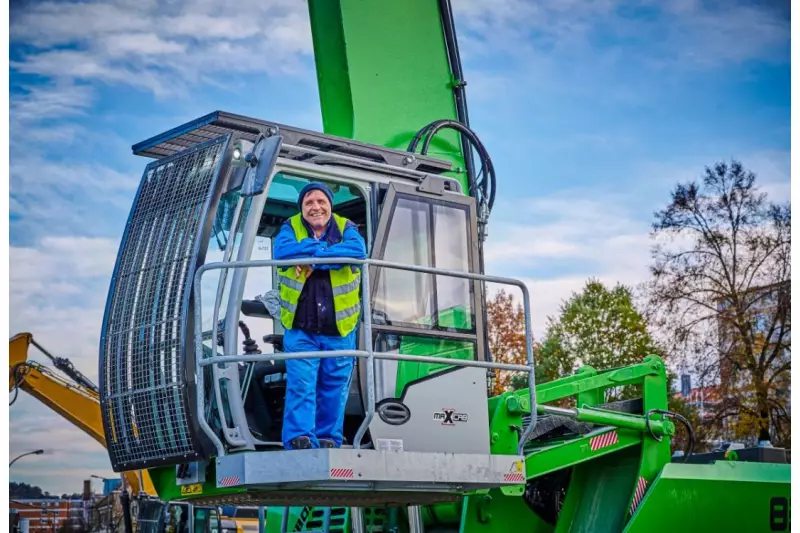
(302, 269)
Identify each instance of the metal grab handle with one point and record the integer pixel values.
(367, 321)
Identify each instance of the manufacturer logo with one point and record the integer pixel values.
(449, 417)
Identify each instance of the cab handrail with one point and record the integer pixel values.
(370, 354)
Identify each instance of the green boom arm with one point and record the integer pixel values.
(384, 73)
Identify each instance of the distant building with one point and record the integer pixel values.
(703, 399)
(110, 485)
(48, 515)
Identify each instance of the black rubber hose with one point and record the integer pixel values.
(484, 154)
(680, 418)
(454, 58)
(412, 146)
(18, 379)
(431, 129)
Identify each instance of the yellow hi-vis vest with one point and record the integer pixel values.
(345, 281)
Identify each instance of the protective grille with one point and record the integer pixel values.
(150, 517)
(148, 407)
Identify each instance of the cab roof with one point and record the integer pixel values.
(218, 123)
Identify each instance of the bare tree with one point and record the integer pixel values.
(721, 292)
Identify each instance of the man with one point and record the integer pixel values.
(320, 309)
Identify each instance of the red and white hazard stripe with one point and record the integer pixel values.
(601, 441)
(342, 473)
(516, 477)
(641, 488)
(229, 481)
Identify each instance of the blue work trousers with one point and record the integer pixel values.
(316, 389)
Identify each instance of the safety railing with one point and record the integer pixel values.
(369, 354)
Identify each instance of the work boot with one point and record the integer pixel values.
(301, 443)
(326, 443)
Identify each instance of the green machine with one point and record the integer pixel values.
(191, 361)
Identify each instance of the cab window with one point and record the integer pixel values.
(427, 233)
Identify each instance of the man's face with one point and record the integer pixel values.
(316, 209)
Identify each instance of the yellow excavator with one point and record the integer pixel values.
(76, 399)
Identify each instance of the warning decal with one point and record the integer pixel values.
(517, 473)
(342, 473)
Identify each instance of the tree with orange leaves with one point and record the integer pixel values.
(506, 325)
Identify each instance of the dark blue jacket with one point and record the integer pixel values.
(315, 312)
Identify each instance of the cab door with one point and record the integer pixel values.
(415, 313)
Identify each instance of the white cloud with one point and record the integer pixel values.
(68, 198)
(70, 455)
(771, 167)
(597, 234)
(58, 287)
(686, 33)
(593, 233)
(50, 101)
(163, 49)
(57, 292)
(577, 225)
(605, 52)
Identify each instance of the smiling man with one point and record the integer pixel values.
(320, 309)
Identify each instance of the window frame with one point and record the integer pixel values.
(395, 192)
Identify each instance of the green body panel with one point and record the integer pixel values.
(168, 490)
(410, 371)
(556, 457)
(383, 73)
(598, 494)
(442, 513)
(496, 512)
(630, 474)
(723, 496)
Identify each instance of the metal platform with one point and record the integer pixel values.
(219, 123)
(297, 477)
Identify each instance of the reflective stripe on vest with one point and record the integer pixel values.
(345, 282)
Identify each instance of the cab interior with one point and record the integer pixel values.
(264, 382)
(411, 310)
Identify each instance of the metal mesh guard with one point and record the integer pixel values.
(144, 394)
(151, 517)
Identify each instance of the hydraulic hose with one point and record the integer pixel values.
(682, 420)
(19, 377)
(488, 187)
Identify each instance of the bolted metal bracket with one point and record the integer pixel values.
(190, 473)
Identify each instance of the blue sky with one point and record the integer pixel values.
(591, 110)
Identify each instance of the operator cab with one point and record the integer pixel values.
(192, 341)
(412, 312)
(264, 382)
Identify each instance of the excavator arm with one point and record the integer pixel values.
(77, 401)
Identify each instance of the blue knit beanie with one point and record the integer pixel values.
(310, 187)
